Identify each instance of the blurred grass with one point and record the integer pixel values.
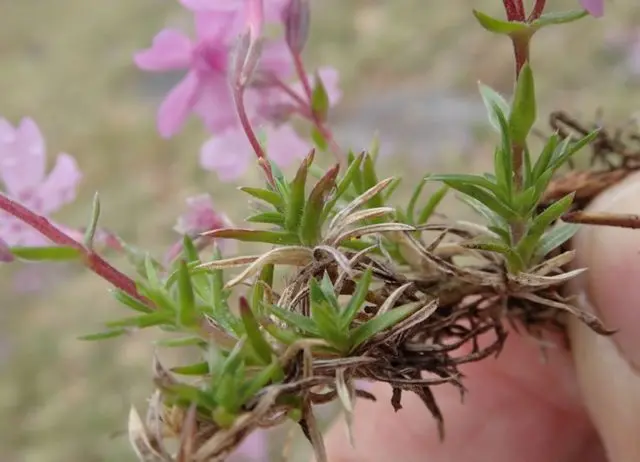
(68, 64)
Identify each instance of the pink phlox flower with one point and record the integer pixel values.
(594, 7)
(205, 89)
(272, 10)
(199, 217)
(230, 153)
(23, 172)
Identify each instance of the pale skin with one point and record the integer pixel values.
(583, 405)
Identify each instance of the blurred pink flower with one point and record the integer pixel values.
(230, 154)
(240, 8)
(205, 89)
(253, 449)
(199, 217)
(594, 7)
(23, 172)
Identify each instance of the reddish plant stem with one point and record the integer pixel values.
(519, 4)
(238, 97)
(537, 11)
(92, 260)
(315, 118)
(521, 53)
(273, 80)
(514, 10)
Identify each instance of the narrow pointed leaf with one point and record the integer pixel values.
(270, 197)
(432, 204)
(187, 302)
(300, 322)
(270, 218)
(253, 235)
(523, 112)
(296, 198)
(328, 325)
(560, 17)
(52, 253)
(104, 335)
(370, 179)
(555, 237)
(344, 183)
(357, 299)
(311, 228)
(90, 232)
(380, 323)
(252, 329)
(499, 26)
(201, 368)
(130, 301)
(319, 99)
(492, 100)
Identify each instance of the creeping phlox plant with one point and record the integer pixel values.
(372, 290)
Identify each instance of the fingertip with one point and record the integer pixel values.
(607, 368)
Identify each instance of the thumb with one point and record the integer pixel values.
(608, 368)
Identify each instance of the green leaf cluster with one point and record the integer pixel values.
(508, 202)
(337, 323)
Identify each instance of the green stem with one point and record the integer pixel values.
(521, 54)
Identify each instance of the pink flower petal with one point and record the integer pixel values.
(212, 5)
(284, 145)
(217, 26)
(179, 102)
(276, 60)
(200, 216)
(17, 234)
(594, 7)
(22, 158)
(228, 154)
(215, 104)
(59, 188)
(170, 50)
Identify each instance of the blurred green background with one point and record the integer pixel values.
(409, 70)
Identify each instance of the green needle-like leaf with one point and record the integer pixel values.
(379, 323)
(296, 198)
(53, 253)
(357, 299)
(252, 329)
(523, 111)
(187, 302)
(311, 228)
(270, 197)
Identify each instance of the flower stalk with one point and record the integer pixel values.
(90, 258)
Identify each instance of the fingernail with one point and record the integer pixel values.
(612, 256)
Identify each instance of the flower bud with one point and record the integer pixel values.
(296, 24)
